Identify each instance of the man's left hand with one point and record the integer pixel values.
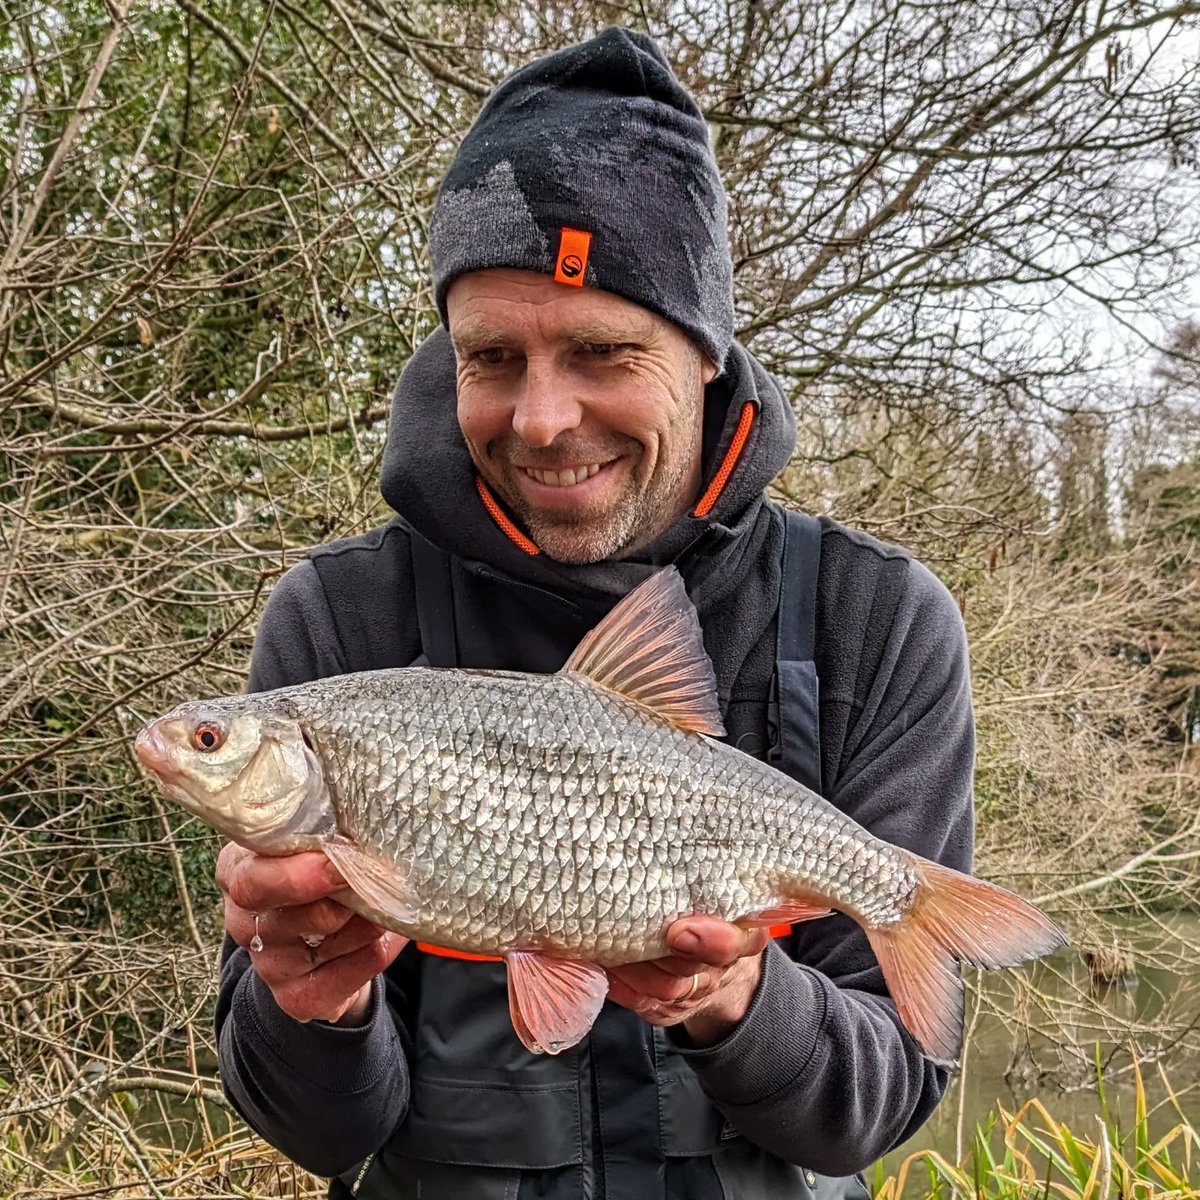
(706, 984)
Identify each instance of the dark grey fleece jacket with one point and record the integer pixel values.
(820, 1072)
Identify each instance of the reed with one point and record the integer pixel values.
(1027, 1153)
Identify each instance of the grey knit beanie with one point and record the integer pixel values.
(594, 165)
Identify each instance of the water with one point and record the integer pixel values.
(1156, 1017)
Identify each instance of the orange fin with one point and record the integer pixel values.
(650, 649)
(953, 918)
(789, 912)
(553, 1002)
(381, 885)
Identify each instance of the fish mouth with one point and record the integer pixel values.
(154, 754)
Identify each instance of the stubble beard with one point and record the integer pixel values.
(586, 537)
(640, 513)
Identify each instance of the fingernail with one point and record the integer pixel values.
(332, 874)
(686, 943)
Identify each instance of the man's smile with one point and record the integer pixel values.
(565, 476)
(570, 486)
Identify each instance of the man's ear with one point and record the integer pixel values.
(708, 370)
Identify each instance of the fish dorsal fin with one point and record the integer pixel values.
(650, 650)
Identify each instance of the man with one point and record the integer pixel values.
(583, 419)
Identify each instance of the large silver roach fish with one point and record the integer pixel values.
(564, 821)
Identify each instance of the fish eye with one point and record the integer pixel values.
(207, 736)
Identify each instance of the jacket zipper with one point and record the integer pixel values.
(601, 1189)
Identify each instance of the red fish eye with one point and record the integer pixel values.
(208, 737)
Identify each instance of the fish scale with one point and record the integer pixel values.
(624, 823)
(565, 821)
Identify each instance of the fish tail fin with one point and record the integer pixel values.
(953, 918)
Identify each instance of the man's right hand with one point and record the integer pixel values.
(318, 957)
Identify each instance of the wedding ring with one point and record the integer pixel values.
(692, 990)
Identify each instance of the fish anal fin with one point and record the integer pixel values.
(518, 1022)
(787, 912)
(650, 650)
(380, 885)
(953, 918)
(553, 1002)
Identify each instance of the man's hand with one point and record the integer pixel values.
(722, 961)
(317, 957)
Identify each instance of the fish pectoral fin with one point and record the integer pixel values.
(553, 1002)
(382, 885)
(789, 912)
(650, 650)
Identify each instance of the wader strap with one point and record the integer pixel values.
(435, 616)
(797, 747)
(435, 601)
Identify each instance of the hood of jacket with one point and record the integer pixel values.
(429, 479)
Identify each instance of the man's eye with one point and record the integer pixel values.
(603, 349)
(490, 356)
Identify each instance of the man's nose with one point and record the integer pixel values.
(545, 407)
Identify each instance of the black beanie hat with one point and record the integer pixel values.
(594, 165)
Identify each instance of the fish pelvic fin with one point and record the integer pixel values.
(650, 650)
(553, 1002)
(954, 918)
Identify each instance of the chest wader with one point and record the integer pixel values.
(620, 1116)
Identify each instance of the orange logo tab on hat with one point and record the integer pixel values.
(572, 257)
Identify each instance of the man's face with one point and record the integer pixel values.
(581, 409)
